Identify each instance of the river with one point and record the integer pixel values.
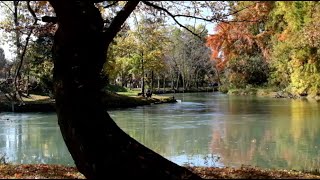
(202, 129)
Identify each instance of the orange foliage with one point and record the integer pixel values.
(229, 36)
(283, 35)
(232, 37)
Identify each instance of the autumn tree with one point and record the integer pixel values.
(187, 57)
(244, 38)
(295, 51)
(150, 40)
(121, 57)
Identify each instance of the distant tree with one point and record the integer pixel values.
(295, 47)
(187, 57)
(3, 60)
(20, 24)
(244, 36)
(40, 64)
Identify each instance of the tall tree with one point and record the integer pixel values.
(80, 47)
(94, 140)
(150, 40)
(243, 38)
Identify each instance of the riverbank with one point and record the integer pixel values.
(45, 171)
(37, 103)
(269, 92)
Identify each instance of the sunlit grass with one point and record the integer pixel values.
(34, 97)
(130, 93)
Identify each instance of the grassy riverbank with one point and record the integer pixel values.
(45, 171)
(37, 103)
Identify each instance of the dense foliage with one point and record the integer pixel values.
(274, 43)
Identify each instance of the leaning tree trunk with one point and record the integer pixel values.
(99, 148)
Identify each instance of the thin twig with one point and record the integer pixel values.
(172, 16)
(7, 6)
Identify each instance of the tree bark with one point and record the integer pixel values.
(158, 85)
(142, 76)
(98, 146)
(152, 80)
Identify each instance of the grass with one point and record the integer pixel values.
(112, 100)
(34, 97)
(130, 93)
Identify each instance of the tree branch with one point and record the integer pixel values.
(172, 16)
(32, 12)
(212, 19)
(112, 4)
(7, 6)
(235, 12)
(119, 19)
(49, 19)
(26, 45)
(200, 18)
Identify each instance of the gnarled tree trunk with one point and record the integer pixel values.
(98, 146)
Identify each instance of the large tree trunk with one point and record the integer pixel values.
(98, 146)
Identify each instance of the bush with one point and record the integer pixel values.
(245, 70)
(115, 88)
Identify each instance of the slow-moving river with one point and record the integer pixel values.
(202, 129)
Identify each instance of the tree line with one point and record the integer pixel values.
(148, 54)
(270, 44)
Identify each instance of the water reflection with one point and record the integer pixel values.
(32, 138)
(264, 132)
(284, 137)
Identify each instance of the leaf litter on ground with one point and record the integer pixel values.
(46, 171)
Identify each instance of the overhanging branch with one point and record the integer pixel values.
(172, 16)
(119, 19)
(7, 6)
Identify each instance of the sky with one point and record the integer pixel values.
(3, 45)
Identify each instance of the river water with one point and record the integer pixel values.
(202, 129)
